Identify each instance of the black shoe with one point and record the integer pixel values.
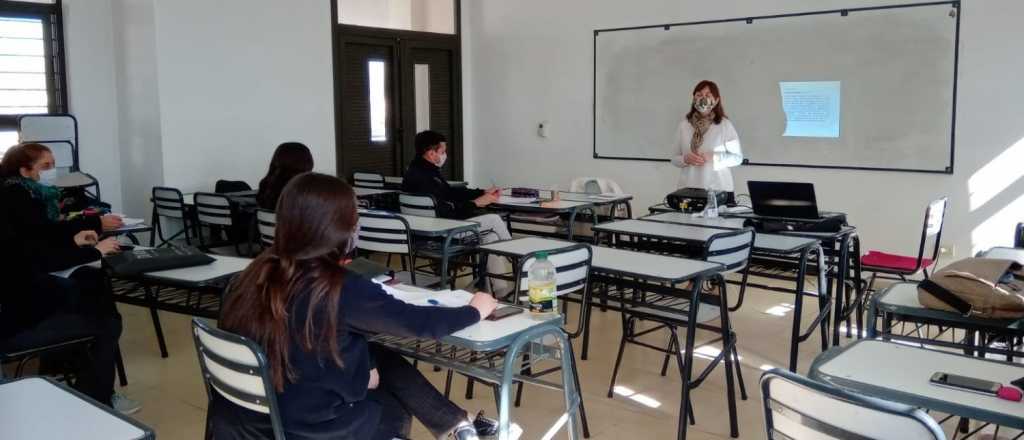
(485, 427)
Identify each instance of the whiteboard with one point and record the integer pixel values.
(896, 66)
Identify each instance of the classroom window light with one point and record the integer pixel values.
(780, 310)
(378, 100)
(996, 176)
(636, 397)
(22, 67)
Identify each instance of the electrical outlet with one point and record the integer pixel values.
(948, 251)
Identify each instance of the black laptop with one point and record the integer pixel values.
(789, 200)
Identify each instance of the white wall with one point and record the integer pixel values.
(141, 163)
(531, 60)
(237, 78)
(92, 96)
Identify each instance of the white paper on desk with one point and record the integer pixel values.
(67, 272)
(418, 297)
(517, 200)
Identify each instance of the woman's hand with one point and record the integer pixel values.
(485, 200)
(484, 303)
(694, 159)
(374, 380)
(86, 238)
(108, 246)
(111, 222)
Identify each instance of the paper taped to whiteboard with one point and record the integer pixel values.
(812, 108)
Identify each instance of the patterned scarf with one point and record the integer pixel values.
(700, 124)
(48, 195)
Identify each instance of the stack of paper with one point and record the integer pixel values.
(517, 200)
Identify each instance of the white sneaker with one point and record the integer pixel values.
(124, 405)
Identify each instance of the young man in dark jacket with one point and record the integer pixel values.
(424, 177)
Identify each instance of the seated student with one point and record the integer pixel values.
(26, 178)
(424, 177)
(290, 159)
(45, 243)
(310, 315)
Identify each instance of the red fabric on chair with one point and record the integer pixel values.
(892, 261)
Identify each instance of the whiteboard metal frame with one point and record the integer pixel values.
(956, 4)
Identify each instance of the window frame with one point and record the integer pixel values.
(52, 17)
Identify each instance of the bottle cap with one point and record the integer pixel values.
(542, 255)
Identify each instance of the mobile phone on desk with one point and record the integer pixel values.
(504, 312)
(964, 383)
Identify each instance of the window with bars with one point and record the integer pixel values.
(31, 63)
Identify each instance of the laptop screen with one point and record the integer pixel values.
(783, 199)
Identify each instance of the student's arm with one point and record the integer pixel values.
(368, 308)
(730, 154)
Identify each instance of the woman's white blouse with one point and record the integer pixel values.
(722, 140)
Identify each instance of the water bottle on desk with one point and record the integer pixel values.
(542, 284)
(711, 207)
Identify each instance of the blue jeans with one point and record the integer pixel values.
(404, 393)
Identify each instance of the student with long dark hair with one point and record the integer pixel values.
(310, 315)
(290, 159)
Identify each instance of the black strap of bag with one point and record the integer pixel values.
(949, 298)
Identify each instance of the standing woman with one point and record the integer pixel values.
(707, 142)
(290, 159)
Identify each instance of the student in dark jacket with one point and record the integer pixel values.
(424, 177)
(290, 159)
(310, 316)
(41, 242)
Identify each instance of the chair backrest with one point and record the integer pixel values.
(383, 232)
(422, 205)
(797, 408)
(168, 202)
(934, 217)
(572, 274)
(731, 249)
(230, 186)
(236, 368)
(368, 180)
(213, 209)
(64, 156)
(266, 223)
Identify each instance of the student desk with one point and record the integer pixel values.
(377, 198)
(642, 271)
(444, 229)
(599, 200)
(899, 302)
(766, 245)
(38, 408)
(493, 352)
(901, 373)
(395, 182)
(557, 207)
(194, 291)
(364, 193)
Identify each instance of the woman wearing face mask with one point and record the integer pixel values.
(40, 243)
(707, 142)
(27, 175)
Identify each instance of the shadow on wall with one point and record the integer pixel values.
(996, 193)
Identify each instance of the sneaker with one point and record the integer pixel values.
(465, 431)
(487, 428)
(124, 405)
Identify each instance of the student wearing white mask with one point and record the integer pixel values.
(707, 142)
(424, 177)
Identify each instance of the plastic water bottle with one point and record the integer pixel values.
(711, 208)
(542, 284)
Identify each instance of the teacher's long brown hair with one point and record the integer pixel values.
(316, 224)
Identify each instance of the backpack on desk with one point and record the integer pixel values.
(978, 287)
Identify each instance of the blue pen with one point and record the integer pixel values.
(433, 302)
